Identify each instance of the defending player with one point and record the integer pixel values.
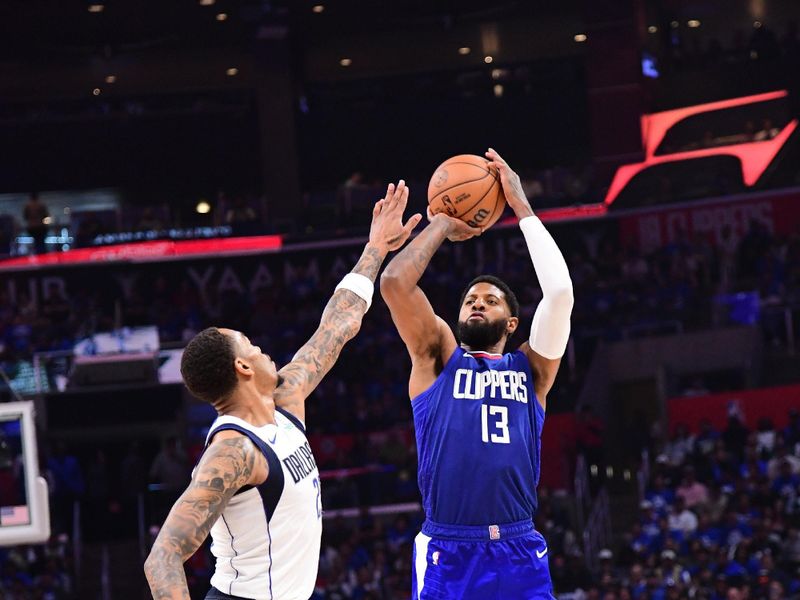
(479, 413)
(256, 487)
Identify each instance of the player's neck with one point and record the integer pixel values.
(493, 349)
(248, 405)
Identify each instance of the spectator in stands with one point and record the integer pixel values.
(241, 217)
(36, 215)
(693, 493)
(682, 519)
(149, 221)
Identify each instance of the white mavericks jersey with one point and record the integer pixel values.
(267, 539)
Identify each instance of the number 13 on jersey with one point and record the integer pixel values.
(499, 423)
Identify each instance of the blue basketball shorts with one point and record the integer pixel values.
(496, 562)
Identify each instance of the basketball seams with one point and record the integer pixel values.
(486, 173)
(479, 200)
(494, 210)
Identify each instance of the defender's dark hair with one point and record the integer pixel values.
(511, 298)
(207, 365)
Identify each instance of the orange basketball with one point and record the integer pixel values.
(468, 188)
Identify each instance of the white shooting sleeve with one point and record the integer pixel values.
(550, 327)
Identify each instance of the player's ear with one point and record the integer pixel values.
(511, 326)
(243, 367)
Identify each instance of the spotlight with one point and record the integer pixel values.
(203, 207)
(318, 8)
(96, 8)
(674, 24)
(581, 37)
(232, 72)
(207, 2)
(96, 92)
(464, 50)
(693, 23)
(346, 62)
(111, 78)
(222, 17)
(652, 29)
(498, 90)
(488, 60)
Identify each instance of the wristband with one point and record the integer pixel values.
(360, 285)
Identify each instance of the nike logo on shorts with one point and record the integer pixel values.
(542, 553)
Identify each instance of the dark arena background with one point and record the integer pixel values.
(167, 166)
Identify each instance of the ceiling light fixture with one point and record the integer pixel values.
(232, 72)
(222, 17)
(693, 23)
(111, 78)
(203, 207)
(96, 8)
(581, 37)
(652, 29)
(488, 60)
(674, 24)
(318, 8)
(207, 2)
(96, 92)
(346, 62)
(464, 50)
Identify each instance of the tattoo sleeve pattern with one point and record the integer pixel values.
(225, 467)
(340, 322)
(411, 262)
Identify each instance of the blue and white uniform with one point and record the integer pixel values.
(478, 430)
(267, 539)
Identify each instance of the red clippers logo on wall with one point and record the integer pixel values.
(754, 157)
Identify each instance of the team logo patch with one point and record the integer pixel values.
(494, 532)
(435, 557)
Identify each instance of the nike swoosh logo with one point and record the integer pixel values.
(274, 437)
(541, 554)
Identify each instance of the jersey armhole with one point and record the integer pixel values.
(272, 488)
(293, 418)
(458, 352)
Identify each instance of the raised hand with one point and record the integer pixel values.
(387, 230)
(512, 187)
(457, 230)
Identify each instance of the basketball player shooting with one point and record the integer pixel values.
(256, 488)
(478, 413)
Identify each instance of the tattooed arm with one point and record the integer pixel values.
(342, 316)
(230, 462)
(429, 340)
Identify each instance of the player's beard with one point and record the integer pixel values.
(481, 334)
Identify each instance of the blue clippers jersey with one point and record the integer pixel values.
(479, 432)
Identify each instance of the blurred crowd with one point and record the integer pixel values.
(720, 519)
(38, 572)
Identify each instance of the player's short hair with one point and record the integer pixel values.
(207, 365)
(511, 298)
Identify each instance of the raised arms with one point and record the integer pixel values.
(342, 316)
(429, 340)
(551, 322)
(230, 462)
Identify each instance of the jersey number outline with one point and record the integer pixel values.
(317, 502)
(501, 423)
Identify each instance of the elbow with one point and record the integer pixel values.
(563, 296)
(390, 282)
(151, 564)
